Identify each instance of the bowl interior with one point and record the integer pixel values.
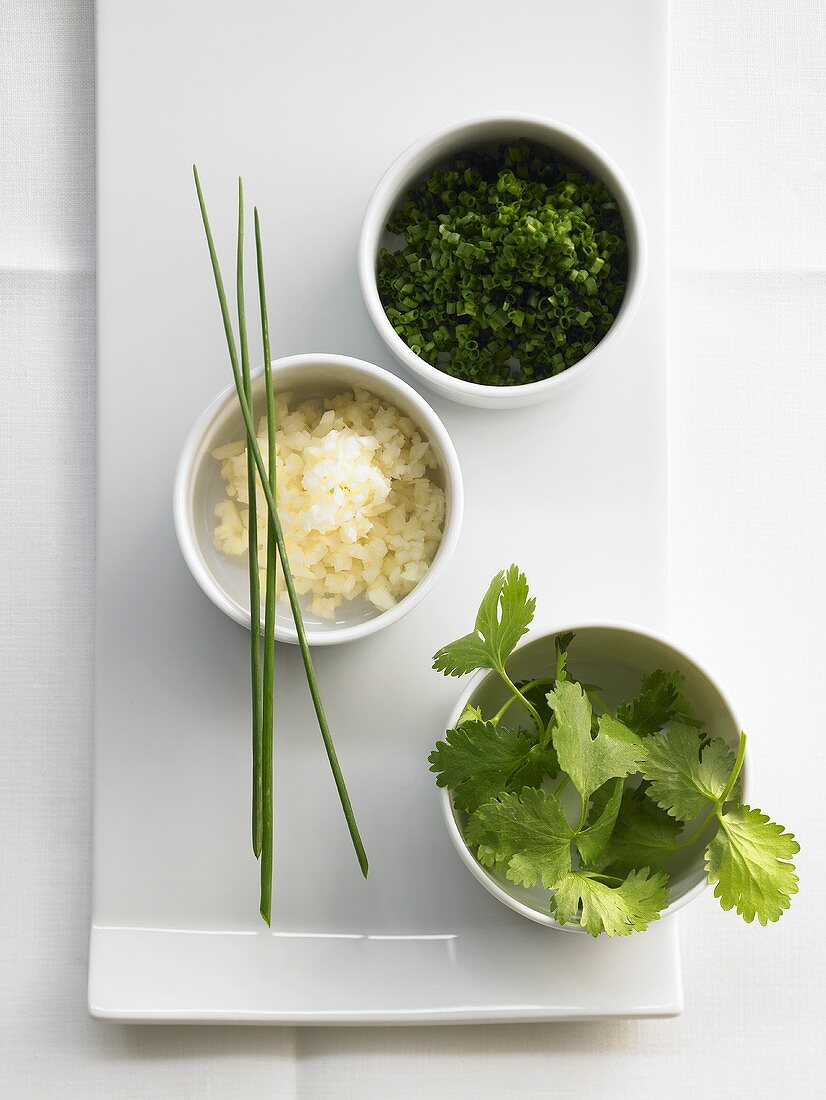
(486, 134)
(206, 487)
(615, 658)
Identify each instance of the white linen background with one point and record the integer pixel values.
(748, 536)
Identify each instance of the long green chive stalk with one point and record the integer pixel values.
(270, 598)
(252, 445)
(252, 539)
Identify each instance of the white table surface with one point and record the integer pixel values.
(748, 532)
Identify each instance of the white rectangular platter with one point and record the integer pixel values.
(311, 102)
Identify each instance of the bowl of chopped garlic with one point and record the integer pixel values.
(368, 490)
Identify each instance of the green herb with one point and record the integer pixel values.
(643, 835)
(269, 598)
(275, 528)
(252, 528)
(504, 616)
(615, 752)
(685, 772)
(649, 780)
(528, 833)
(750, 861)
(598, 827)
(512, 268)
(660, 700)
(628, 906)
(481, 759)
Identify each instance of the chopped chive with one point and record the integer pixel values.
(252, 539)
(252, 444)
(494, 245)
(270, 601)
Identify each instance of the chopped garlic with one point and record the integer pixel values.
(361, 515)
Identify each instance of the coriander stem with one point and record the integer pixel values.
(508, 703)
(583, 814)
(526, 702)
(735, 771)
(695, 836)
(566, 779)
(282, 550)
(252, 542)
(599, 876)
(270, 597)
(545, 733)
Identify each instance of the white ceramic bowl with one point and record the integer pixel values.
(198, 488)
(438, 146)
(615, 656)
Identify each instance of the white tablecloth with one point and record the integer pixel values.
(748, 481)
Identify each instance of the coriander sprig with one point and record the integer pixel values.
(504, 615)
(268, 490)
(650, 784)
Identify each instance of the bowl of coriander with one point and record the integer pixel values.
(501, 257)
(593, 778)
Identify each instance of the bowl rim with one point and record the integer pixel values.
(446, 798)
(426, 418)
(400, 174)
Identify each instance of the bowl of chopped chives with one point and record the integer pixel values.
(368, 488)
(500, 258)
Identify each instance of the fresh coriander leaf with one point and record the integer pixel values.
(684, 774)
(749, 859)
(716, 762)
(477, 761)
(527, 831)
(660, 701)
(464, 655)
(643, 836)
(470, 714)
(618, 910)
(615, 752)
(504, 616)
(604, 808)
(594, 693)
(540, 763)
(488, 859)
(561, 644)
